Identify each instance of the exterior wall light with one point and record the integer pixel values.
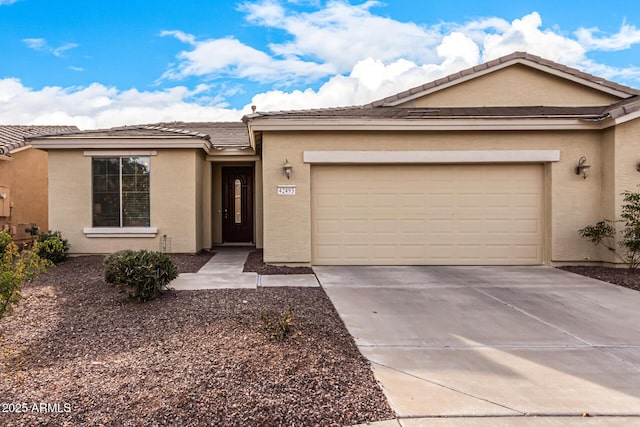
(582, 168)
(287, 168)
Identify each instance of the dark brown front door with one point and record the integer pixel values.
(237, 204)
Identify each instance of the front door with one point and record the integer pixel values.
(237, 204)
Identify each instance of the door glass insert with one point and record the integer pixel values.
(237, 193)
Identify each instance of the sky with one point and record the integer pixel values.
(100, 64)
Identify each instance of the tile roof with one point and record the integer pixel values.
(227, 134)
(502, 60)
(130, 131)
(626, 106)
(439, 112)
(12, 137)
(381, 109)
(220, 133)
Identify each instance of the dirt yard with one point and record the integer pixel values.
(75, 352)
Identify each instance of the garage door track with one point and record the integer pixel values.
(493, 341)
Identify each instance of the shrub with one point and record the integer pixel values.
(630, 214)
(141, 275)
(52, 246)
(604, 233)
(5, 239)
(16, 268)
(278, 326)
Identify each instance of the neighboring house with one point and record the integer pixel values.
(23, 179)
(498, 164)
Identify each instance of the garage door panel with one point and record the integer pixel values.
(435, 214)
(526, 226)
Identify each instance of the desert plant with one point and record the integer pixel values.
(5, 239)
(52, 246)
(604, 232)
(16, 268)
(141, 275)
(630, 214)
(277, 326)
(601, 233)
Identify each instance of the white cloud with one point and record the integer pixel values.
(99, 106)
(7, 2)
(458, 48)
(623, 39)
(326, 42)
(525, 35)
(358, 55)
(341, 34)
(370, 80)
(36, 44)
(229, 57)
(180, 35)
(609, 72)
(41, 44)
(342, 38)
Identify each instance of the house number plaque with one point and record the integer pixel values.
(286, 190)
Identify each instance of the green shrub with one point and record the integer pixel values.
(141, 275)
(604, 232)
(52, 246)
(630, 215)
(5, 239)
(16, 268)
(277, 327)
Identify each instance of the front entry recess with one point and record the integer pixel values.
(237, 204)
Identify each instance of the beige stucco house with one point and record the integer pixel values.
(498, 164)
(23, 180)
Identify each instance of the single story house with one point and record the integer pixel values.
(23, 180)
(498, 164)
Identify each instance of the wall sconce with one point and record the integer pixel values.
(287, 168)
(582, 168)
(3, 195)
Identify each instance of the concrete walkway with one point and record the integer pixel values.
(224, 271)
(494, 346)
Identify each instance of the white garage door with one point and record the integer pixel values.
(422, 215)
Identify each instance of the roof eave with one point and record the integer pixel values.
(62, 143)
(440, 124)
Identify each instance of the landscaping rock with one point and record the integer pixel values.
(85, 355)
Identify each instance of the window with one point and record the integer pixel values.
(237, 196)
(120, 191)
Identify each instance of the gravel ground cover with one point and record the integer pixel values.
(75, 352)
(255, 264)
(619, 276)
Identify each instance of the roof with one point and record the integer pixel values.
(228, 134)
(516, 57)
(223, 134)
(12, 137)
(370, 112)
(387, 108)
(135, 131)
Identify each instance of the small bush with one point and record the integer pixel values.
(52, 246)
(141, 275)
(604, 233)
(16, 268)
(277, 327)
(5, 239)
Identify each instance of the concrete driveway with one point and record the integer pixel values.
(494, 341)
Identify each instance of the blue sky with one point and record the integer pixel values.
(101, 64)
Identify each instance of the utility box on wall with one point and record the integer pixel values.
(5, 202)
